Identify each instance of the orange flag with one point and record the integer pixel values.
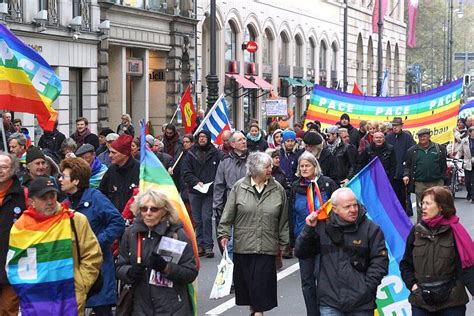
(188, 112)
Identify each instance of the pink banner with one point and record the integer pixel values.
(412, 12)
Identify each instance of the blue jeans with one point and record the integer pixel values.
(201, 208)
(331, 311)
(451, 311)
(309, 270)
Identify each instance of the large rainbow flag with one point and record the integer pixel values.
(40, 264)
(27, 82)
(466, 109)
(154, 175)
(436, 109)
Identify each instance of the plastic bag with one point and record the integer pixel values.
(223, 281)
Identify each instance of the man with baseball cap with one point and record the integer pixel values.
(425, 166)
(123, 174)
(98, 169)
(401, 141)
(81, 257)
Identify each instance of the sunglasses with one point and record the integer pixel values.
(152, 209)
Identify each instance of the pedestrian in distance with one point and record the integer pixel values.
(438, 263)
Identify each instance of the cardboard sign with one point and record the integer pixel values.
(277, 107)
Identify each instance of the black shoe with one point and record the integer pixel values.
(209, 253)
(201, 252)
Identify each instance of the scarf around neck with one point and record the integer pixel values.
(80, 137)
(464, 243)
(254, 138)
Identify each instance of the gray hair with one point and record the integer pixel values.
(14, 165)
(256, 163)
(19, 137)
(158, 199)
(129, 118)
(306, 155)
(335, 194)
(68, 143)
(232, 138)
(111, 137)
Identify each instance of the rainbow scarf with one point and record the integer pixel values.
(27, 82)
(154, 175)
(40, 264)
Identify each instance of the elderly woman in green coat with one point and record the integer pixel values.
(256, 208)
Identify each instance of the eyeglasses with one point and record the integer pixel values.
(144, 209)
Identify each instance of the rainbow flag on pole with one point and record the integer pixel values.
(40, 264)
(372, 188)
(154, 175)
(27, 82)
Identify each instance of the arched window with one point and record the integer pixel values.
(283, 49)
(323, 51)
(230, 34)
(311, 54)
(298, 61)
(267, 47)
(370, 67)
(359, 61)
(249, 35)
(334, 65)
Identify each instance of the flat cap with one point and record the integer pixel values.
(423, 131)
(85, 148)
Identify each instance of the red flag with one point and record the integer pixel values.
(356, 90)
(412, 12)
(188, 112)
(375, 14)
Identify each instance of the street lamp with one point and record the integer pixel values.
(379, 51)
(212, 79)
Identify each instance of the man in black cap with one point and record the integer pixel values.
(353, 132)
(401, 141)
(425, 166)
(314, 144)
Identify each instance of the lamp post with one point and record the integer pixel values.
(450, 43)
(379, 50)
(212, 79)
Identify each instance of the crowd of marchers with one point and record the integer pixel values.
(262, 187)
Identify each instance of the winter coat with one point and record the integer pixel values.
(92, 139)
(195, 171)
(327, 162)
(105, 158)
(260, 225)
(118, 182)
(401, 143)
(280, 177)
(231, 169)
(345, 162)
(52, 141)
(354, 136)
(107, 225)
(173, 146)
(431, 256)
(150, 299)
(386, 155)
(10, 210)
(289, 163)
(361, 245)
(297, 203)
(465, 153)
(260, 145)
(129, 129)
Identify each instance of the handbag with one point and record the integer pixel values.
(437, 292)
(223, 281)
(125, 300)
(97, 286)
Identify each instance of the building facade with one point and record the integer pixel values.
(299, 43)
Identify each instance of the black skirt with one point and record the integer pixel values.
(255, 281)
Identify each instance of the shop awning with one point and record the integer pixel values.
(307, 83)
(244, 82)
(262, 83)
(292, 82)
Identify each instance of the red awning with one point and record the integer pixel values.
(262, 83)
(244, 82)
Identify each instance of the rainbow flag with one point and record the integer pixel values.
(27, 82)
(435, 109)
(372, 188)
(466, 109)
(40, 264)
(154, 175)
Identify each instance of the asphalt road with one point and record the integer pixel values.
(290, 298)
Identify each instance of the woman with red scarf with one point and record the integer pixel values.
(438, 263)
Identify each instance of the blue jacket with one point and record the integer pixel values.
(108, 225)
(288, 163)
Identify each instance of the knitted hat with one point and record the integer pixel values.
(123, 144)
(288, 134)
(34, 153)
(300, 134)
(345, 116)
(312, 138)
(150, 140)
(105, 131)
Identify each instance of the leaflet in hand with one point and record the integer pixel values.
(171, 250)
(203, 188)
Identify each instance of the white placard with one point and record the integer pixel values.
(277, 107)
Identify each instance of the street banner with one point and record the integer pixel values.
(188, 111)
(372, 188)
(27, 82)
(466, 109)
(436, 109)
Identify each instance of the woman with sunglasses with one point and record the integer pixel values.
(160, 286)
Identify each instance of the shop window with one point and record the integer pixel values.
(283, 49)
(267, 45)
(230, 42)
(249, 35)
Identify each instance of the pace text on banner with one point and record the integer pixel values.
(372, 188)
(27, 82)
(436, 109)
(154, 175)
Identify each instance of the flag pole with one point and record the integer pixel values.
(174, 115)
(5, 147)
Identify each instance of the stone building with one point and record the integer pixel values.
(299, 43)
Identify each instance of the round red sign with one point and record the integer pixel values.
(252, 46)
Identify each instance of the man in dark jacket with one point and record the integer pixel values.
(425, 166)
(12, 204)
(380, 148)
(353, 132)
(289, 155)
(344, 160)
(199, 170)
(123, 174)
(172, 142)
(353, 260)
(52, 141)
(83, 135)
(401, 141)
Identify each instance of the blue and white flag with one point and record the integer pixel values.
(216, 121)
(384, 91)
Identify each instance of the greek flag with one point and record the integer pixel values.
(216, 121)
(384, 91)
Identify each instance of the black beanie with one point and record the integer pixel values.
(312, 138)
(208, 136)
(105, 131)
(33, 153)
(346, 117)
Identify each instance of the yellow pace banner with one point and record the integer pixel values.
(436, 109)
